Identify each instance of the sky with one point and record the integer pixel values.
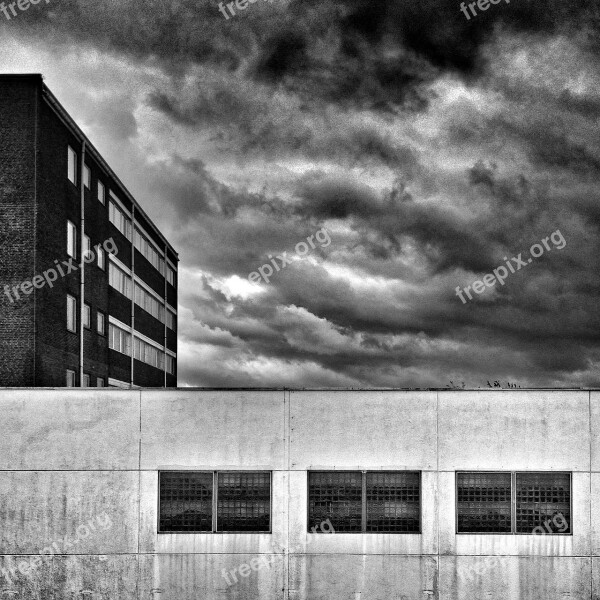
(394, 150)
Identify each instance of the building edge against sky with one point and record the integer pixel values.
(108, 320)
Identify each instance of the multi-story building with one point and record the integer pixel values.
(89, 283)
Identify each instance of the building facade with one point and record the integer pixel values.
(89, 283)
(300, 495)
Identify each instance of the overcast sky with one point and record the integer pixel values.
(429, 146)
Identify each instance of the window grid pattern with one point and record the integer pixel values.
(119, 340)
(149, 253)
(244, 501)
(484, 502)
(540, 498)
(119, 280)
(148, 354)
(186, 501)
(118, 218)
(149, 303)
(337, 496)
(171, 319)
(393, 502)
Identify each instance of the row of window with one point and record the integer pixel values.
(87, 246)
(121, 282)
(120, 341)
(87, 317)
(86, 382)
(118, 218)
(365, 502)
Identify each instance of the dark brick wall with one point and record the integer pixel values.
(147, 376)
(18, 102)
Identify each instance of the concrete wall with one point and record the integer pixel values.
(78, 469)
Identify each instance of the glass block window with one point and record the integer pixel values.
(244, 501)
(483, 502)
(186, 500)
(393, 502)
(543, 502)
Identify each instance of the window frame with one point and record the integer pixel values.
(87, 177)
(86, 377)
(101, 318)
(74, 375)
(215, 502)
(74, 300)
(101, 196)
(364, 508)
(87, 316)
(513, 502)
(72, 156)
(100, 379)
(101, 257)
(71, 239)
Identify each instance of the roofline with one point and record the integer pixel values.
(55, 104)
(288, 389)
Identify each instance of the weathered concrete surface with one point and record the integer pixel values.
(71, 457)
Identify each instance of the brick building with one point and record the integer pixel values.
(89, 283)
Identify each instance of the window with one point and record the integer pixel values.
(87, 316)
(171, 319)
(540, 502)
(119, 339)
(233, 501)
(543, 502)
(149, 354)
(364, 502)
(101, 193)
(100, 382)
(170, 364)
(170, 275)
(118, 218)
(71, 239)
(70, 378)
(71, 313)
(148, 251)
(149, 303)
(100, 326)
(119, 280)
(101, 257)
(72, 165)
(86, 380)
(87, 177)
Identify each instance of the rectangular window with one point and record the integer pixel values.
(149, 354)
(87, 316)
(71, 314)
(100, 324)
(119, 339)
(393, 502)
(148, 251)
(217, 502)
(171, 319)
(72, 165)
(170, 364)
(101, 193)
(119, 219)
(365, 501)
(119, 280)
(87, 247)
(149, 303)
(100, 382)
(486, 502)
(101, 257)
(70, 378)
(71, 239)
(543, 502)
(86, 380)
(170, 275)
(87, 177)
